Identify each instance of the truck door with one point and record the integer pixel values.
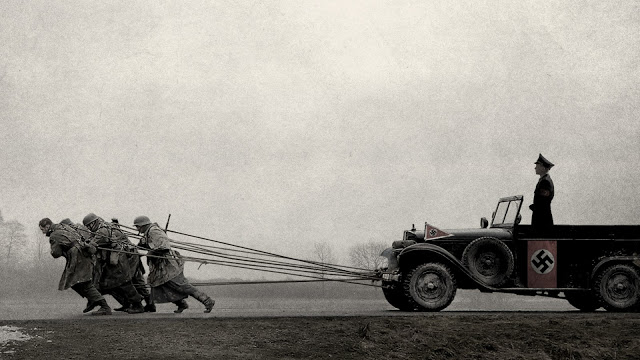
(542, 256)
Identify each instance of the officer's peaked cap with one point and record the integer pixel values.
(542, 160)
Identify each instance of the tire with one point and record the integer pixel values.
(489, 260)
(396, 298)
(618, 288)
(430, 287)
(583, 301)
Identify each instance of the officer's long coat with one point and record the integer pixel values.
(66, 242)
(542, 197)
(114, 267)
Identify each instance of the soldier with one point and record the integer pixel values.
(542, 218)
(166, 269)
(80, 257)
(138, 277)
(115, 268)
(80, 228)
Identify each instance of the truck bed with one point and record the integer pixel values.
(580, 232)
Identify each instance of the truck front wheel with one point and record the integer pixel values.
(430, 286)
(396, 297)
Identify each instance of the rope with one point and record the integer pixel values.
(256, 260)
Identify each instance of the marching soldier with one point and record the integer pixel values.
(115, 268)
(166, 269)
(78, 271)
(542, 218)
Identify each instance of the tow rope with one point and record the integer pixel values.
(236, 256)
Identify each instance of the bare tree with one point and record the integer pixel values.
(323, 253)
(367, 255)
(13, 238)
(42, 244)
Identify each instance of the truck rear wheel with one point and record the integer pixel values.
(489, 260)
(618, 288)
(430, 286)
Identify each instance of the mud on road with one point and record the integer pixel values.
(445, 335)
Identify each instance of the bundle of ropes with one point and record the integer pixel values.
(236, 256)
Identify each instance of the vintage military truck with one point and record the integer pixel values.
(591, 266)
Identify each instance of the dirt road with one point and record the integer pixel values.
(533, 328)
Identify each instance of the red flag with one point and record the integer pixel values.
(432, 232)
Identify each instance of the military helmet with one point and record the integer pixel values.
(141, 221)
(91, 217)
(66, 221)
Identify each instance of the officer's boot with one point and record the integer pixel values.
(206, 300)
(182, 306)
(150, 307)
(135, 308)
(104, 308)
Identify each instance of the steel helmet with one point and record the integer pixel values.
(141, 221)
(66, 221)
(91, 217)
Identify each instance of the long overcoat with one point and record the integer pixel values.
(115, 267)
(65, 241)
(542, 197)
(165, 268)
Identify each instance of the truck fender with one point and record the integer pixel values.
(635, 260)
(390, 254)
(426, 251)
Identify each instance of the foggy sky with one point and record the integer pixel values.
(276, 125)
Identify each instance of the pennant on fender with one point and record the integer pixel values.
(432, 232)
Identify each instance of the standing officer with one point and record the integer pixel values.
(166, 268)
(78, 271)
(541, 218)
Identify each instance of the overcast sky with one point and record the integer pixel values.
(279, 124)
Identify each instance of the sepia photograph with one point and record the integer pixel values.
(319, 179)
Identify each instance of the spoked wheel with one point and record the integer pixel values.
(582, 300)
(489, 260)
(431, 287)
(395, 297)
(618, 288)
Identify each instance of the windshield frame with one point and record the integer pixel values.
(508, 211)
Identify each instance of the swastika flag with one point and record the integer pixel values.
(432, 232)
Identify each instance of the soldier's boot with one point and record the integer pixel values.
(104, 308)
(90, 306)
(150, 306)
(125, 306)
(182, 306)
(135, 308)
(205, 300)
(208, 304)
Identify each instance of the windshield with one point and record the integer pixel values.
(507, 212)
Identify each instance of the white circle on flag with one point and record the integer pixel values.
(543, 261)
(432, 232)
